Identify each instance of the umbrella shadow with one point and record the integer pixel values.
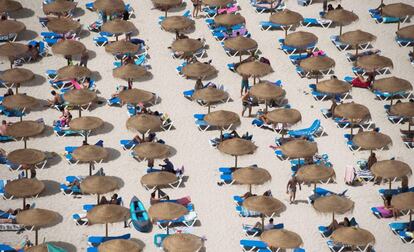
(105, 128)
(52, 159)
(91, 54)
(182, 7)
(48, 131)
(27, 35)
(139, 242)
(112, 154)
(78, 12)
(37, 81)
(66, 246)
(23, 13)
(84, 33)
(51, 188)
(96, 76)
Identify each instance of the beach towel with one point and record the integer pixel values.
(75, 84)
(385, 213)
(349, 174)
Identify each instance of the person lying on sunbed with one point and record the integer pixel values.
(268, 226)
(335, 225)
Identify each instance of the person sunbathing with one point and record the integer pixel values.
(361, 82)
(268, 226)
(115, 200)
(3, 127)
(75, 184)
(103, 201)
(65, 118)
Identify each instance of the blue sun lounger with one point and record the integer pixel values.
(315, 129)
(96, 240)
(254, 245)
(6, 248)
(397, 227)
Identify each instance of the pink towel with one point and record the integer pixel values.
(75, 84)
(349, 174)
(385, 213)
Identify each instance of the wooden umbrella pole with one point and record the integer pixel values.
(106, 229)
(36, 236)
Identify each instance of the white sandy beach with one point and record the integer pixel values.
(219, 222)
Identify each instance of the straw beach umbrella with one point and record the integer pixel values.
(179, 242)
(25, 129)
(356, 38)
(301, 39)
(177, 24)
(107, 213)
(281, 239)
(79, 98)
(20, 102)
(152, 150)
(398, 10)
(374, 62)
(144, 123)
(406, 33)
(135, 96)
(333, 86)
(68, 47)
(287, 19)
(109, 6)
(7, 6)
(353, 112)
(299, 149)
(28, 157)
(254, 69)
(210, 96)
(237, 147)
(86, 124)
(333, 204)
(73, 72)
(251, 176)
(187, 46)
(404, 202)
(90, 154)
(390, 169)
(371, 140)
(166, 211)
(392, 85)
(118, 27)
(268, 92)
(63, 25)
(24, 188)
(45, 247)
(317, 64)
(229, 19)
(11, 27)
(353, 237)
(12, 51)
(341, 17)
(241, 44)
(99, 185)
(16, 76)
(121, 47)
(166, 4)
(403, 109)
(198, 71)
(284, 115)
(37, 218)
(59, 7)
(120, 245)
(314, 173)
(158, 179)
(222, 119)
(130, 73)
(265, 205)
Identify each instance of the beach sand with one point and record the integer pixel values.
(219, 223)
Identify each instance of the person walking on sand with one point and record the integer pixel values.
(196, 7)
(291, 189)
(244, 84)
(246, 104)
(84, 59)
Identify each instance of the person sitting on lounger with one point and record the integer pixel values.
(65, 118)
(371, 160)
(330, 7)
(75, 184)
(3, 127)
(8, 92)
(268, 193)
(115, 199)
(103, 201)
(56, 101)
(268, 226)
(168, 166)
(404, 184)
